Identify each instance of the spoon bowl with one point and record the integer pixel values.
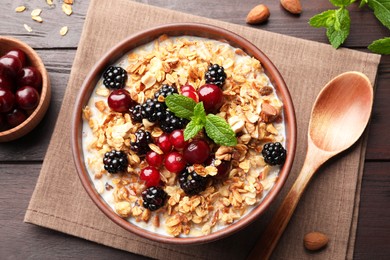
(338, 118)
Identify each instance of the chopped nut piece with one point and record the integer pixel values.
(68, 2)
(268, 113)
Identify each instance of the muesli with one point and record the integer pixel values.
(146, 106)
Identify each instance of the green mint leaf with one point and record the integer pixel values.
(381, 10)
(363, 3)
(220, 131)
(339, 32)
(324, 19)
(342, 3)
(381, 46)
(199, 114)
(192, 129)
(180, 105)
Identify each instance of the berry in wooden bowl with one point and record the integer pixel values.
(24, 89)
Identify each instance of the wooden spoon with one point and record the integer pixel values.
(339, 116)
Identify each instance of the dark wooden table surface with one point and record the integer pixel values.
(21, 160)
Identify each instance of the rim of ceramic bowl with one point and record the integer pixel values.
(44, 97)
(180, 29)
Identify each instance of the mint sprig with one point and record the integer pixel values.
(337, 22)
(216, 127)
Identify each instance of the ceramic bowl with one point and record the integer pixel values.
(6, 44)
(189, 29)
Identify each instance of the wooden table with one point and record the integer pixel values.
(21, 160)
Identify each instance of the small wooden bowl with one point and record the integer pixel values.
(7, 43)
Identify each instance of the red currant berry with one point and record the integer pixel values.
(7, 100)
(27, 97)
(10, 65)
(191, 95)
(16, 117)
(120, 101)
(7, 82)
(30, 76)
(198, 151)
(150, 175)
(18, 54)
(174, 162)
(163, 142)
(211, 96)
(177, 139)
(187, 88)
(154, 159)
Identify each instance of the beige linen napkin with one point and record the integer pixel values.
(330, 204)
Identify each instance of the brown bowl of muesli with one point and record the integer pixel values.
(184, 133)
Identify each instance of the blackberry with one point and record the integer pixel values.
(172, 122)
(114, 77)
(154, 198)
(153, 110)
(115, 161)
(274, 153)
(191, 182)
(141, 145)
(165, 91)
(215, 75)
(135, 113)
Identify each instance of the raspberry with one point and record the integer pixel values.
(191, 182)
(114, 77)
(141, 145)
(274, 153)
(115, 161)
(215, 75)
(154, 198)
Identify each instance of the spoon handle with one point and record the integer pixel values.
(270, 237)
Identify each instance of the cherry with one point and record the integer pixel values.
(7, 100)
(6, 82)
(223, 168)
(154, 159)
(10, 65)
(187, 87)
(120, 101)
(30, 76)
(177, 139)
(27, 97)
(163, 142)
(18, 54)
(197, 151)
(211, 96)
(150, 175)
(16, 117)
(175, 162)
(3, 122)
(191, 95)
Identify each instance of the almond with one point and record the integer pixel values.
(315, 240)
(268, 113)
(293, 6)
(258, 14)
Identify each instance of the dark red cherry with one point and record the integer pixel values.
(150, 175)
(18, 54)
(211, 96)
(223, 167)
(30, 76)
(3, 122)
(27, 97)
(191, 95)
(177, 139)
(174, 162)
(16, 117)
(11, 65)
(163, 142)
(7, 82)
(7, 100)
(120, 101)
(154, 159)
(198, 151)
(188, 88)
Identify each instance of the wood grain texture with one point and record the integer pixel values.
(20, 161)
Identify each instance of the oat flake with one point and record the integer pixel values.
(64, 30)
(28, 28)
(49, 2)
(37, 18)
(20, 9)
(67, 9)
(36, 12)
